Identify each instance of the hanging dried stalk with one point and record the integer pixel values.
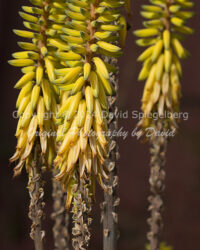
(111, 201)
(82, 206)
(109, 215)
(61, 218)
(37, 204)
(156, 180)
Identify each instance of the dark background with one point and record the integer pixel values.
(182, 195)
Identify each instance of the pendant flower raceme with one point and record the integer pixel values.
(37, 101)
(86, 31)
(163, 33)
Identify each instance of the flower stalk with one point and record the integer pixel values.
(61, 218)
(156, 180)
(36, 191)
(164, 30)
(109, 207)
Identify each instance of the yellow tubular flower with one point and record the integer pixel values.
(37, 99)
(89, 31)
(164, 29)
(163, 246)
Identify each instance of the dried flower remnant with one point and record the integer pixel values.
(81, 210)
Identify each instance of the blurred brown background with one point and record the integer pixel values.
(182, 195)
